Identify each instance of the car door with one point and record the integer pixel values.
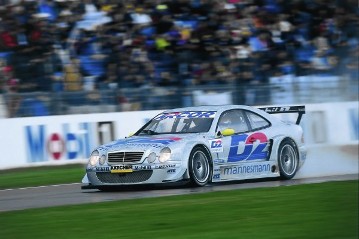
(248, 142)
(260, 135)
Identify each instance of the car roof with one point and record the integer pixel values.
(221, 108)
(218, 108)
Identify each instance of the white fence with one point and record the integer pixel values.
(331, 133)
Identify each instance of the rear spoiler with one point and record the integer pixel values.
(300, 109)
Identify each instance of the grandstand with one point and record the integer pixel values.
(89, 56)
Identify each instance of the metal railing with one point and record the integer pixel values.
(102, 101)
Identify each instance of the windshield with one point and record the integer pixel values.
(179, 122)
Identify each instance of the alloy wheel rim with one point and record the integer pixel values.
(200, 167)
(288, 160)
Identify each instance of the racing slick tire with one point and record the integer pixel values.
(200, 167)
(288, 159)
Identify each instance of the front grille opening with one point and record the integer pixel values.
(124, 157)
(135, 177)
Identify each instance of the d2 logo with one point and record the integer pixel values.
(254, 147)
(216, 145)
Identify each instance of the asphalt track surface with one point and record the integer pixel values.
(71, 194)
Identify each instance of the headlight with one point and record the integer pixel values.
(151, 158)
(94, 158)
(102, 159)
(165, 155)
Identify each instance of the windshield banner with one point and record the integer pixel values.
(186, 114)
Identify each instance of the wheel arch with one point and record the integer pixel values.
(277, 142)
(294, 142)
(188, 153)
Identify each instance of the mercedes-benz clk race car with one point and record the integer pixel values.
(200, 145)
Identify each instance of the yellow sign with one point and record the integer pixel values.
(121, 171)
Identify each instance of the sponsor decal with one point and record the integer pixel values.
(276, 109)
(102, 169)
(65, 142)
(280, 109)
(123, 145)
(216, 176)
(247, 169)
(170, 171)
(144, 145)
(141, 167)
(121, 169)
(165, 166)
(248, 147)
(216, 145)
(186, 114)
(153, 141)
(151, 167)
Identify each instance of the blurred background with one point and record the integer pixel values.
(88, 56)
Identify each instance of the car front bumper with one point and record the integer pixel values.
(141, 174)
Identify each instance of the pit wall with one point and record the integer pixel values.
(331, 134)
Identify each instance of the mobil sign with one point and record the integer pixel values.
(65, 141)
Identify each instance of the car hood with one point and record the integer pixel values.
(143, 143)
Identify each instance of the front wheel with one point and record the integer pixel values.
(200, 169)
(287, 159)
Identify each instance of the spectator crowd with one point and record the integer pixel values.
(76, 45)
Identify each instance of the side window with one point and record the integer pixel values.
(233, 119)
(257, 121)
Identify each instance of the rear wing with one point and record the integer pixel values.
(300, 109)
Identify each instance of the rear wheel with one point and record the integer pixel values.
(200, 168)
(288, 159)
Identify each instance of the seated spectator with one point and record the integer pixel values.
(119, 45)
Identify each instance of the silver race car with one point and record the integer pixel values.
(200, 145)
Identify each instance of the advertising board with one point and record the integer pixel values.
(54, 140)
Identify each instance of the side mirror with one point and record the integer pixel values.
(228, 132)
(129, 135)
